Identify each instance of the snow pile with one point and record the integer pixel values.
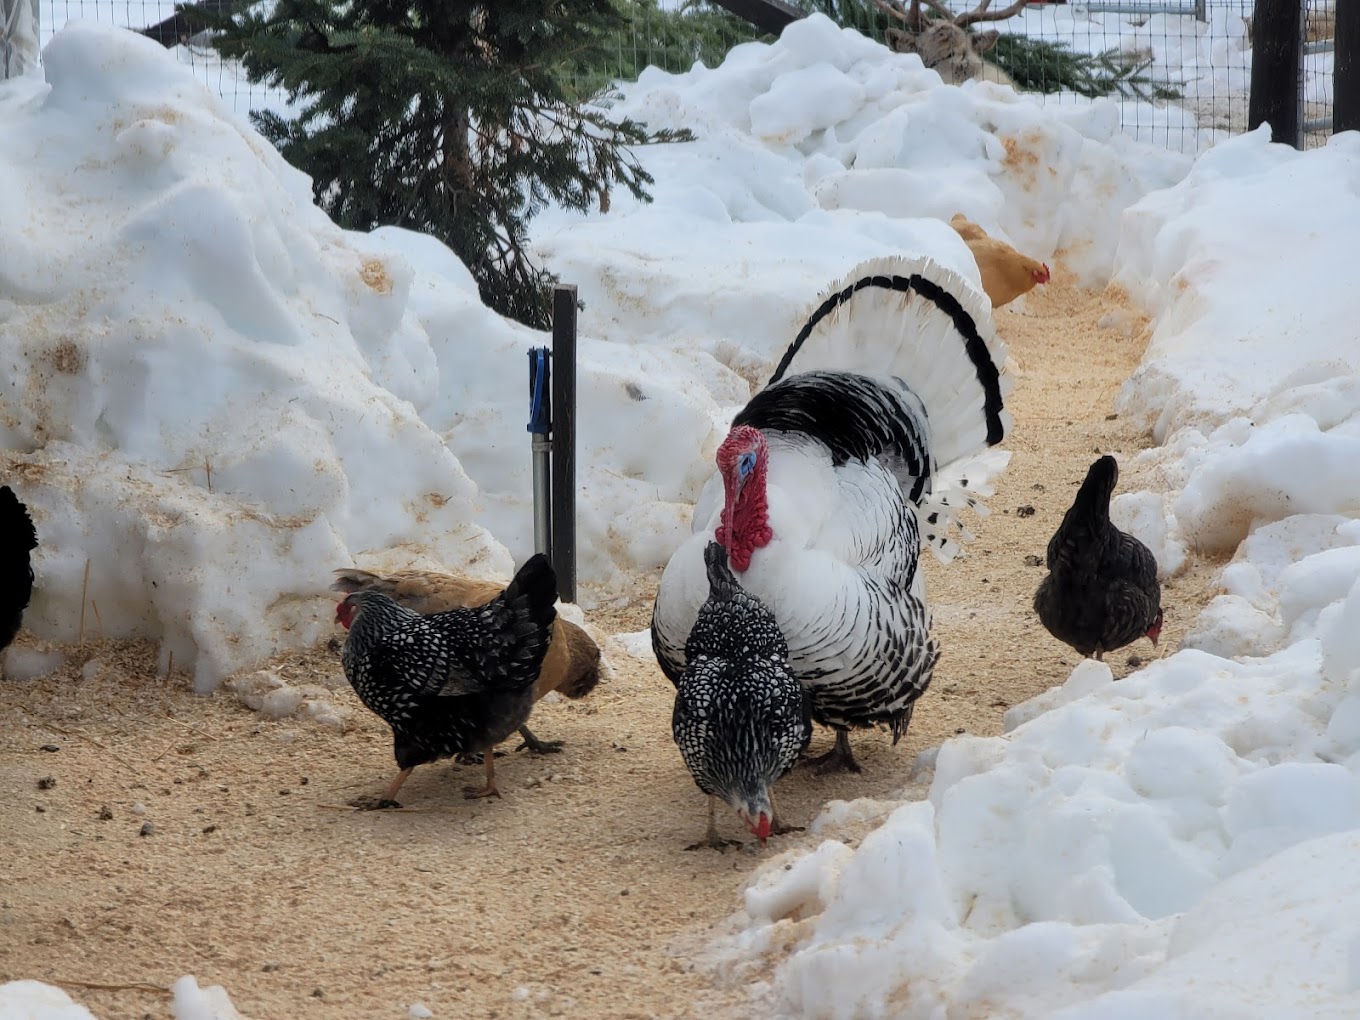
(1251, 377)
(818, 152)
(217, 395)
(1184, 842)
(210, 385)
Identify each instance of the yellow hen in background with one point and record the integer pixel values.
(1006, 274)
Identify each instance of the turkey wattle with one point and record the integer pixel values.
(873, 431)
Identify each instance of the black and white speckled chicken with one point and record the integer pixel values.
(18, 539)
(450, 682)
(572, 666)
(1101, 592)
(741, 718)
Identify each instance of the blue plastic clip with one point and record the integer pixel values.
(540, 392)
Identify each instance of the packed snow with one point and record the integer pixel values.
(217, 396)
(207, 373)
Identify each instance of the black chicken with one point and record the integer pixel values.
(453, 682)
(741, 718)
(1101, 592)
(17, 540)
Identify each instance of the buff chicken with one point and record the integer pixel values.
(1006, 274)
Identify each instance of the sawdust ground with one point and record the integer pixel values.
(572, 896)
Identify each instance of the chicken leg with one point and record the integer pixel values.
(489, 790)
(389, 796)
(838, 759)
(711, 840)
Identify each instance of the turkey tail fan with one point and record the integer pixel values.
(915, 320)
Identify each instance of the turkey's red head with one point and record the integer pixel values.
(743, 460)
(344, 613)
(1155, 631)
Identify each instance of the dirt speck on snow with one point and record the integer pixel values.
(149, 833)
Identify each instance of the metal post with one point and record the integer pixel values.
(1276, 66)
(564, 441)
(540, 424)
(1346, 112)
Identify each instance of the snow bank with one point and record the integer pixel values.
(217, 395)
(1182, 843)
(822, 150)
(1251, 376)
(211, 386)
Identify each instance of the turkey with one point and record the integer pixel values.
(741, 719)
(1101, 592)
(872, 432)
(450, 682)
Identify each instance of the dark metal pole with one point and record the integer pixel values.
(1346, 111)
(771, 16)
(564, 441)
(1276, 58)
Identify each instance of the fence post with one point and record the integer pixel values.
(564, 441)
(18, 38)
(1346, 53)
(1276, 63)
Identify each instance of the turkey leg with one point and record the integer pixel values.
(838, 759)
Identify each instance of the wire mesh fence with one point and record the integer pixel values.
(1180, 70)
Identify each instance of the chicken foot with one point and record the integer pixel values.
(711, 840)
(537, 746)
(389, 796)
(489, 790)
(838, 759)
